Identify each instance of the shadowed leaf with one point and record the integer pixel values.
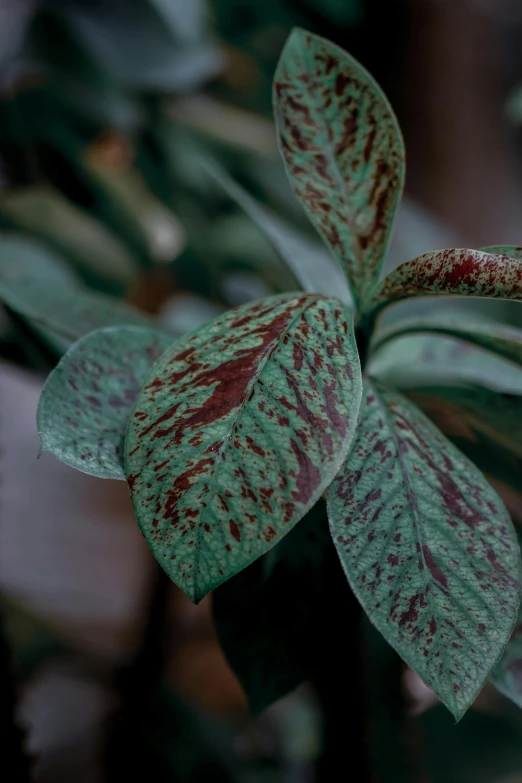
(342, 149)
(455, 271)
(237, 432)
(70, 312)
(427, 547)
(86, 402)
(507, 676)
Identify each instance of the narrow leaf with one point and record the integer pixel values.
(86, 402)
(427, 547)
(312, 265)
(69, 311)
(342, 149)
(455, 271)
(237, 432)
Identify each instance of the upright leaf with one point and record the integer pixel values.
(455, 271)
(342, 149)
(70, 312)
(237, 432)
(86, 401)
(313, 267)
(427, 547)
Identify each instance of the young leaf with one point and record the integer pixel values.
(427, 547)
(86, 401)
(237, 432)
(342, 149)
(507, 676)
(503, 340)
(264, 616)
(313, 266)
(456, 271)
(70, 312)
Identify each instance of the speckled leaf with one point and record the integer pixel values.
(503, 340)
(68, 311)
(427, 547)
(312, 265)
(507, 677)
(237, 432)
(86, 402)
(455, 271)
(504, 250)
(342, 149)
(421, 359)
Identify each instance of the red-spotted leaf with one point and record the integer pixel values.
(237, 432)
(86, 402)
(456, 271)
(507, 677)
(342, 149)
(427, 547)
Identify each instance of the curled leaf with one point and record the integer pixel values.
(237, 432)
(86, 401)
(427, 547)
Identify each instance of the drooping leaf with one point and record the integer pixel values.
(237, 432)
(342, 149)
(86, 402)
(507, 676)
(313, 267)
(503, 340)
(70, 312)
(455, 271)
(427, 547)
(419, 360)
(264, 615)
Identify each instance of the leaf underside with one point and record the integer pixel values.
(86, 401)
(237, 432)
(342, 149)
(427, 547)
(462, 272)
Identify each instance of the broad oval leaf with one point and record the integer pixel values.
(313, 266)
(503, 340)
(427, 546)
(342, 149)
(86, 402)
(457, 271)
(70, 312)
(238, 431)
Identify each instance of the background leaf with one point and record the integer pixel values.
(507, 676)
(237, 432)
(343, 151)
(427, 547)
(86, 402)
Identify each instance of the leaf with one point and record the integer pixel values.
(455, 271)
(504, 250)
(237, 432)
(68, 311)
(343, 152)
(264, 615)
(507, 676)
(503, 340)
(427, 546)
(416, 360)
(86, 402)
(312, 266)
(21, 257)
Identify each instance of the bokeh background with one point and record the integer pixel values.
(107, 109)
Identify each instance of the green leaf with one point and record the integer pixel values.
(21, 257)
(427, 546)
(68, 311)
(503, 340)
(343, 152)
(237, 432)
(411, 361)
(263, 616)
(507, 676)
(312, 265)
(86, 402)
(504, 250)
(455, 271)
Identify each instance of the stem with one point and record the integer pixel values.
(14, 758)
